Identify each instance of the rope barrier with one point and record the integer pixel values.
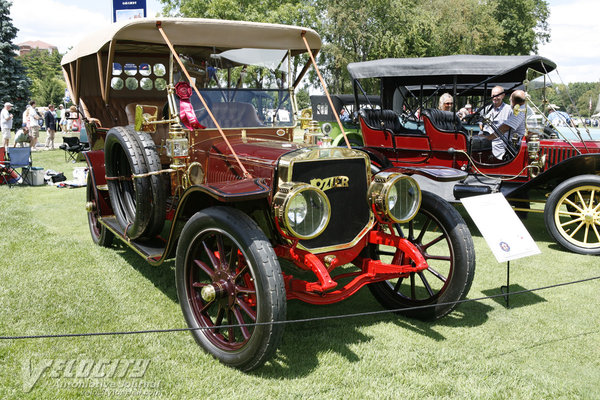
(294, 321)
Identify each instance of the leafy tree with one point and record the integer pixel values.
(14, 84)
(524, 24)
(44, 70)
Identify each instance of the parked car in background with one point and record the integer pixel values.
(324, 115)
(542, 167)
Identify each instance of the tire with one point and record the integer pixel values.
(249, 288)
(572, 214)
(443, 238)
(100, 233)
(158, 183)
(130, 198)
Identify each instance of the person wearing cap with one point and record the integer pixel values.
(6, 122)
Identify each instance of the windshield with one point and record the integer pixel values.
(245, 108)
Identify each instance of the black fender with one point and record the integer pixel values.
(549, 179)
(376, 157)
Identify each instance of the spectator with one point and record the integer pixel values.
(6, 122)
(344, 117)
(514, 124)
(50, 120)
(63, 119)
(34, 124)
(446, 102)
(496, 113)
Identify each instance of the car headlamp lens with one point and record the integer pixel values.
(298, 209)
(302, 210)
(395, 197)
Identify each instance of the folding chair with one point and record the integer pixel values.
(19, 157)
(6, 173)
(72, 147)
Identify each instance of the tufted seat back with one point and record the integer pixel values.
(381, 119)
(445, 121)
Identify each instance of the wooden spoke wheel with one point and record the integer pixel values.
(572, 214)
(444, 240)
(228, 276)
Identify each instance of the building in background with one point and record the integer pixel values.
(26, 47)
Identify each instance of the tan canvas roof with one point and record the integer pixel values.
(198, 32)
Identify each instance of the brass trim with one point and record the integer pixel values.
(281, 204)
(378, 193)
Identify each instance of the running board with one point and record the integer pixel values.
(152, 250)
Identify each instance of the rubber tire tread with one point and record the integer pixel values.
(105, 237)
(132, 213)
(464, 264)
(551, 204)
(268, 279)
(158, 183)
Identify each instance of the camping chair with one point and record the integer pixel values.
(19, 157)
(72, 147)
(6, 173)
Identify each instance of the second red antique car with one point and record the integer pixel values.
(562, 174)
(190, 162)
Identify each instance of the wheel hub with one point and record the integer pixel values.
(213, 291)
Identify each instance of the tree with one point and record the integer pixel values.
(14, 84)
(44, 70)
(524, 24)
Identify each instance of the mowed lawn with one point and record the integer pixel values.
(54, 280)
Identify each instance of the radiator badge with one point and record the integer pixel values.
(330, 183)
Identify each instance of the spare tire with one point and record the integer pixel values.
(130, 197)
(158, 182)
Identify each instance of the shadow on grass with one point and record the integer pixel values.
(162, 276)
(516, 300)
(302, 343)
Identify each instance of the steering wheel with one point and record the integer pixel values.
(472, 119)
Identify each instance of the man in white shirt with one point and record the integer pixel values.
(497, 113)
(6, 121)
(514, 124)
(34, 126)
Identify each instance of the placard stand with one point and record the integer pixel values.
(507, 284)
(503, 231)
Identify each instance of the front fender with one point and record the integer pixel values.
(547, 180)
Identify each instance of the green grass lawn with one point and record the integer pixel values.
(55, 280)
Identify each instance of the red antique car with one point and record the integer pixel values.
(190, 162)
(408, 131)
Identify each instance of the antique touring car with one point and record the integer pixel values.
(540, 167)
(189, 161)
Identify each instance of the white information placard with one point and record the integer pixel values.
(503, 231)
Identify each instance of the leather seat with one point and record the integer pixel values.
(445, 121)
(381, 120)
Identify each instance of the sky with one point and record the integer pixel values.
(574, 24)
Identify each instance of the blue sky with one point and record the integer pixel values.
(574, 25)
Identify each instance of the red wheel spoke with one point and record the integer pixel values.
(230, 330)
(207, 306)
(423, 230)
(221, 252)
(247, 309)
(426, 284)
(211, 255)
(443, 258)
(199, 284)
(240, 320)
(241, 272)
(437, 274)
(241, 289)
(398, 284)
(434, 241)
(204, 268)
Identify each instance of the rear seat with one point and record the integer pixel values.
(385, 120)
